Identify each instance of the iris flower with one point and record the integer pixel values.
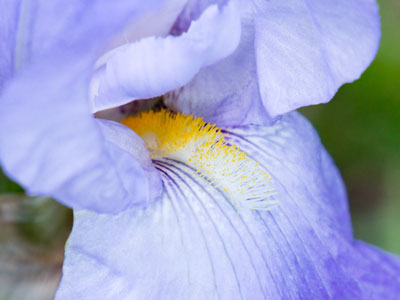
(242, 203)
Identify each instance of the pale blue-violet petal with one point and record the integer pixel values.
(155, 65)
(291, 54)
(305, 50)
(49, 141)
(8, 38)
(193, 244)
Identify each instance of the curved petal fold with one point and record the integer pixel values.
(52, 146)
(291, 54)
(305, 50)
(193, 244)
(49, 141)
(226, 93)
(128, 141)
(156, 65)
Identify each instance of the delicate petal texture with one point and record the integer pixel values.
(194, 245)
(49, 141)
(291, 54)
(306, 50)
(154, 66)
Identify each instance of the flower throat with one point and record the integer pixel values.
(203, 147)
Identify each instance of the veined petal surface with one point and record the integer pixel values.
(192, 244)
(305, 50)
(291, 54)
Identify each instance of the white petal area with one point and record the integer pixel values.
(154, 66)
(192, 244)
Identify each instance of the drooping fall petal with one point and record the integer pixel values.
(193, 244)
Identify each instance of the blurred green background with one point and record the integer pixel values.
(360, 127)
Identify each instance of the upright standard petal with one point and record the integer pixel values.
(291, 54)
(306, 50)
(155, 65)
(49, 141)
(193, 244)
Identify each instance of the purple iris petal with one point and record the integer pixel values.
(8, 25)
(225, 93)
(50, 142)
(291, 54)
(305, 51)
(192, 244)
(153, 66)
(66, 155)
(128, 141)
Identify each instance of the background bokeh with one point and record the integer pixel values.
(360, 127)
